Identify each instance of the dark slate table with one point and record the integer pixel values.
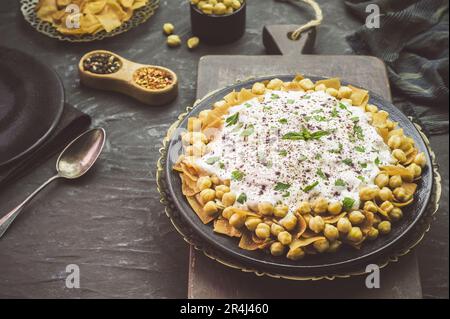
(110, 222)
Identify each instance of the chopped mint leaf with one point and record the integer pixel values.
(337, 150)
(348, 203)
(334, 112)
(212, 160)
(267, 108)
(233, 119)
(290, 101)
(355, 119)
(320, 118)
(318, 157)
(282, 187)
(339, 182)
(237, 175)
(275, 96)
(360, 149)
(305, 135)
(242, 198)
(306, 97)
(248, 131)
(362, 179)
(310, 187)
(302, 158)
(363, 165)
(357, 130)
(342, 106)
(347, 161)
(283, 121)
(247, 105)
(377, 161)
(287, 194)
(321, 174)
(221, 165)
(283, 153)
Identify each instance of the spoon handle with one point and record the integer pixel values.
(7, 220)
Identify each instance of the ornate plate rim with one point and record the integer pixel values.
(209, 251)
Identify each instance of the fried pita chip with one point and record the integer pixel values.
(222, 226)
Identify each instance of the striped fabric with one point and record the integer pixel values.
(413, 42)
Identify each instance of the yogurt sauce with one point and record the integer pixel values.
(293, 146)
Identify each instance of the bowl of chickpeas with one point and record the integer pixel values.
(218, 21)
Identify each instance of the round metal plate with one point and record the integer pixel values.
(320, 264)
(31, 103)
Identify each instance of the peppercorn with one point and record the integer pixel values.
(102, 63)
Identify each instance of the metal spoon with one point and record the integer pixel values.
(73, 162)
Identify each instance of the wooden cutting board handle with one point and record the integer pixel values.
(276, 39)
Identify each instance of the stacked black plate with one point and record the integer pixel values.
(31, 104)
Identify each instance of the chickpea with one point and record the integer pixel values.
(173, 41)
(275, 229)
(356, 217)
(263, 231)
(289, 222)
(316, 224)
(400, 194)
(258, 88)
(277, 249)
(237, 220)
(306, 84)
(228, 3)
(168, 28)
(334, 246)
(372, 234)
(265, 208)
(407, 144)
(390, 125)
(275, 84)
(394, 141)
(320, 205)
(207, 195)
(399, 155)
(415, 169)
(207, 8)
(396, 214)
(344, 92)
(228, 199)
(387, 206)
(321, 245)
(395, 181)
(370, 206)
(331, 232)
(304, 208)
(193, 43)
(335, 208)
(333, 92)
(384, 227)
(204, 182)
(221, 190)
(280, 211)
(382, 180)
(210, 208)
(344, 225)
(227, 212)
(420, 159)
(320, 87)
(355, 235)
(285, 238)
(252, 222)
(368, 193)
(220, 9)
(372, 108)
(295, 254)
(385, 194)
(236, 4)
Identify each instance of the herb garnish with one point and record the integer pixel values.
(280, 187)
(242, 198)
(362, 179)
(248, 131)
(337, 150)
(348, 203)
(334, 112)
(321, 174)
(357, 130)
(360, 149)
(377, 161)
(305, 135)
(339, 182)
(290, 101)
(283, 121)
(233, 119)
(237, 175)
(275, 96)
(212, 160)
(283, 153)
(310, 187)
(347, 161)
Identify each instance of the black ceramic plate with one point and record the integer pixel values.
(31, 103)
(323, 264)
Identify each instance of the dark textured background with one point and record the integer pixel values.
(110, 222)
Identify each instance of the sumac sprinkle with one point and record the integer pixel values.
(102, 63)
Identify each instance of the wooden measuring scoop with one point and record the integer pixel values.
(123, 80)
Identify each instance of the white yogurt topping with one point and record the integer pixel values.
(294, 147)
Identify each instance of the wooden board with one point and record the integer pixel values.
(209, 279)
